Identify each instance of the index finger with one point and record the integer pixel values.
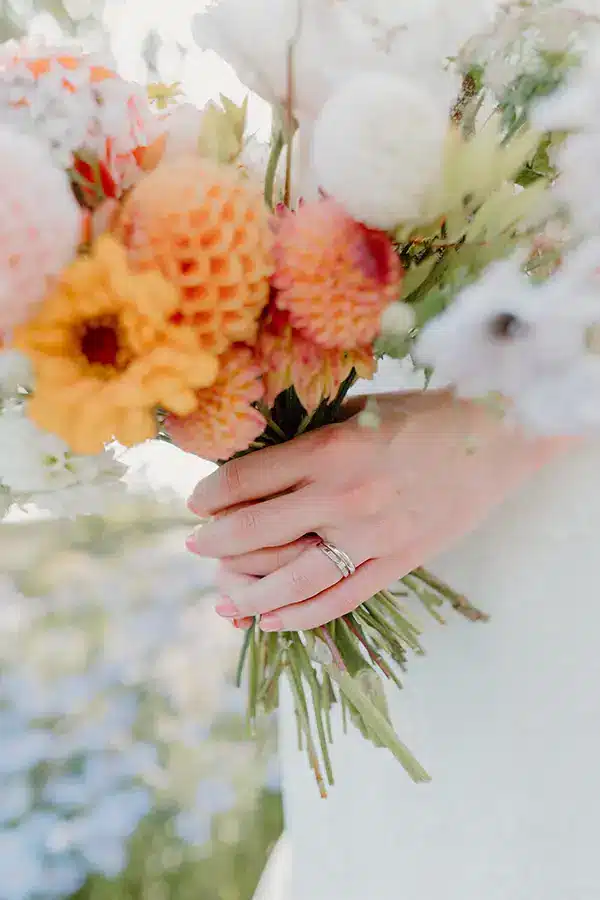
(264, 473)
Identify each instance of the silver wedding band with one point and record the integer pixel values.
(338, 558)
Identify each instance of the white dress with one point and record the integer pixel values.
(504, 716)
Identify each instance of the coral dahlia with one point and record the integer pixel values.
(225, 421)
(334, 276)
(290, 359)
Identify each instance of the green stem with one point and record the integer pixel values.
(378, 724)
(458, 601)
(271, 173)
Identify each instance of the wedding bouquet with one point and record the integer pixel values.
(158, 280)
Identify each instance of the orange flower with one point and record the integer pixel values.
(207, 230)
(96, 122)
(334, 276)
(289, 359)
(225, 421)
(105, 355)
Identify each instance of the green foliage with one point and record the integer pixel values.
(531, 86)
(231, 872)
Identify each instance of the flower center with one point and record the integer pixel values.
(506, 326)
(374, 254)
(100, 343)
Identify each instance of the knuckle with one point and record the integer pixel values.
(300, 583)
(231, 479)
(246, 523)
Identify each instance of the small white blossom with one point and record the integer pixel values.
(15, 373)
(40, 228)
(40, 465)
(398, 320)
(378, 148)
(182, 130)
(576, 105)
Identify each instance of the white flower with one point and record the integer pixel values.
(578, 162)
(519, 34)
(40, 227)
(6, 501)
(182, 130)
(398, 320)
(482, 342)
(533, 344)
(15, 373)
(332, 41)
(40, 465)
(109, 117)
(378, 148)
(575, 105)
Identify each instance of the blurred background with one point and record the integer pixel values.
(126, 768)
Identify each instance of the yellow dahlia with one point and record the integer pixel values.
(105, 354)
(225, 421)
(208, 231)
(289, 358)
(334, 276)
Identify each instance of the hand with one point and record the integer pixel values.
(390, 497)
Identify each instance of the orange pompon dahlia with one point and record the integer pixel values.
(334, 276)
(208, 231)
(225, 421)
(105, 355)
(289, 358)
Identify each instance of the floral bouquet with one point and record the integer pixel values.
(161, 278)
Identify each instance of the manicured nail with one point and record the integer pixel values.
(270, 622)
(190, 542)
(226, 609)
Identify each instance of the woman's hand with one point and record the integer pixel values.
(390, 498)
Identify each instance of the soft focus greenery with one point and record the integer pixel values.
(45, 556)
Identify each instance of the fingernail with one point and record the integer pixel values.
(190, 505)
(226, 609)
(190, 543)
(270, 622)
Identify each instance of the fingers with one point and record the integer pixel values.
(253, 477)
(263, 562)
(338, 600)
(269, 524)
(308, 575)
(230, 581)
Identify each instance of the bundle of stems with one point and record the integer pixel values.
(347, 661)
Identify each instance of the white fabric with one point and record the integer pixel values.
(505, 716)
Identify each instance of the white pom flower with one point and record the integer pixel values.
(182, 130)
(40, 224)
(398, 320)
(575, 105)
(378, 148)
(15, 373)
(38, 465)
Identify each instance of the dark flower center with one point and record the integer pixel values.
(506, 326)
(100, 343)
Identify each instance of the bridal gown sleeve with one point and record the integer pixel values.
(505, 717)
